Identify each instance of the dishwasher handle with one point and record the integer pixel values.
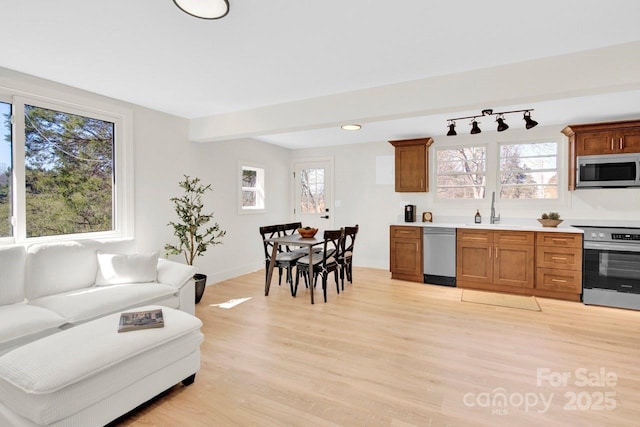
(440, 230)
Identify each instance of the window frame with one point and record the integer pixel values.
(261, 190)
(499, 158)
(486, 170)
(123, 175)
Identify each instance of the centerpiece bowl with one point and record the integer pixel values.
(307, 232)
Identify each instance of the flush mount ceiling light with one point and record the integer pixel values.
(205, 9)
(502, 125)
(351, 127)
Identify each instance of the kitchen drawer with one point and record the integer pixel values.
(476, 236)
(559, 257)
(569, 240)
(514, 237)
(552, 279)
(398, 231)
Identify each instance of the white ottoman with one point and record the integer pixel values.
(90, 374)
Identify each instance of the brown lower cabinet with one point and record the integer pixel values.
(495, 260)
(405, 255)
(545, 264)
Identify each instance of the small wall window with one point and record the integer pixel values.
(252, 194)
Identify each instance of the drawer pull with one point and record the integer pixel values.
(558, 258)
(558, 280)
(475, 238)
(559, 240)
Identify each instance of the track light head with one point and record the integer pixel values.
(502, 126)
(452, 129)
(474, 127)
(529, 122)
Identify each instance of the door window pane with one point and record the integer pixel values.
(5, 171)
(68, 173)
(312, 198)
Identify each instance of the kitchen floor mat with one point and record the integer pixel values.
(501, 300)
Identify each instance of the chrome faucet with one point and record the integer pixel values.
(494, 218)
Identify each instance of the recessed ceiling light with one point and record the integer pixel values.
(351, 127)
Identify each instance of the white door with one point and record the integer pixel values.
(313, 193)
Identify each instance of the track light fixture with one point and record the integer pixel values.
(502, 125)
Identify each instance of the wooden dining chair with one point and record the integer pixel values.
(346, 256)
(324, 262)
(285, 259)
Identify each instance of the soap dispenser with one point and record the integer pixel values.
(478, 218)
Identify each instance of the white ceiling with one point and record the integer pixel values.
(266, 53)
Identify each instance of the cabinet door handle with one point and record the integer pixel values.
(497, 253)
(611, 144)
(558, 280)
(490, 251)
(559, 258)
(621, 143)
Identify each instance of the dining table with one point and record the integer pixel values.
(297, 241)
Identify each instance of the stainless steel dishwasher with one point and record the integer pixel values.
(439, 246)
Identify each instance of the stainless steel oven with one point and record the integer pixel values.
(611, 267)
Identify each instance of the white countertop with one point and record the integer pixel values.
(514, 226)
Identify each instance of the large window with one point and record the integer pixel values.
(6, 230)
(529, 171)
(461, 172)
(64, 162)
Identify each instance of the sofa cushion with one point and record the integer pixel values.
(58, 267)
(11, 274)
(18, 321)
(52, 268)
(116, 269)
(81, 305)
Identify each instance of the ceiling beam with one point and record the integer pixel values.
(593, 72)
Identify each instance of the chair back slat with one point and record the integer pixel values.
(269, 232)
(333, 243)
(349, 240)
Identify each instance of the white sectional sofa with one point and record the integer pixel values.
(49, 287)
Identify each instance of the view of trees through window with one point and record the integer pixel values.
(461, 173)
(529, 171)
(312, 198)
(5, 171)
(252, 188)
(68, 173)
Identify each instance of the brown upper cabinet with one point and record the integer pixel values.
(600, 138)
(412, 164)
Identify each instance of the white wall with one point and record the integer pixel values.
(218, 163)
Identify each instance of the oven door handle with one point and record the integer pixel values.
(612, 246)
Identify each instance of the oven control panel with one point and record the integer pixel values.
(621, 236)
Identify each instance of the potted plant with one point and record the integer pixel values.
(193, 233)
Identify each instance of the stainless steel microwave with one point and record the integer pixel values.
(608, 170)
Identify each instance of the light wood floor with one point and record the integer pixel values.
(393, 353)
